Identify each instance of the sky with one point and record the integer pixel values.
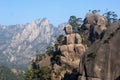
(56, 11)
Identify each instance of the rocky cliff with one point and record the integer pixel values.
(101, 61)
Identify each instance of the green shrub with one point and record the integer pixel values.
(44, 73)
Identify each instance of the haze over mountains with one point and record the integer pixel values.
(19, 43)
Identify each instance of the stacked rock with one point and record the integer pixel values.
(72, 49)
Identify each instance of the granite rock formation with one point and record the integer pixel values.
(101, 61)
(94, 26)
(73, 49)
(71, 52)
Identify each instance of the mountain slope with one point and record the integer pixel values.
(20, 42)
(7, 74)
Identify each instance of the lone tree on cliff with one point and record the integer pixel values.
(111, 17)
(75, 23)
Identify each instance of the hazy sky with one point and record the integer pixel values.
(57, 11)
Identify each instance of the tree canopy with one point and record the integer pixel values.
(111, 16)
(75, 23)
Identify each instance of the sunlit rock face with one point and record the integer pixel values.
(73, 49)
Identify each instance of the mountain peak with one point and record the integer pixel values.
(37, 21)
(45, 21)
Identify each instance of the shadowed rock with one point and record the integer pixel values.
(95, 24)
(68, 29)
(102, 60)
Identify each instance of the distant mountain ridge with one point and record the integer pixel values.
(18, 43)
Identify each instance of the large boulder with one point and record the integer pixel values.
(78, 39)
(46, 61)
(63, 48)
(79, 49)
(71, 54)
(68, 29)
(70, 48)
(70, 39)
(73, 38)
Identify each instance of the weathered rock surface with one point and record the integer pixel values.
(95, 25)
(102, 60)
(71, 52)
(68, 29)
(73, 49)
(70, 39)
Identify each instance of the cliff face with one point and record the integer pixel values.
(101, 61)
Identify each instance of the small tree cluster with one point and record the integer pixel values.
(75, 23)
(111, 17)
(44, 73)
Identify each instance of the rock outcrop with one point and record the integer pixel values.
(73, 49)
(71, 52)
(102, 60)
(94, 25)
(40, 61)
